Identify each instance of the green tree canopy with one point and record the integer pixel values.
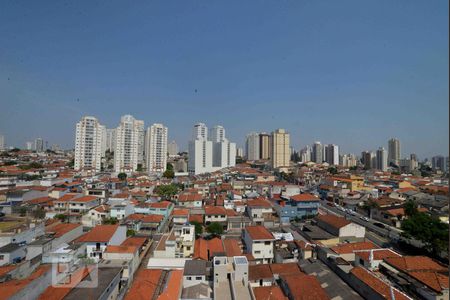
(122, 176)
(198, 228)
(215, 228)
(167, 191)
(410, 208)
(110, 221)
(427, 229)
(169, 174)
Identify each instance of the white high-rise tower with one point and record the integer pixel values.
(200, 151)
(156, 148)
(88, 144)
(252, 146)
(129, 144)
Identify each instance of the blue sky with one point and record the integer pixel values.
(354, 73)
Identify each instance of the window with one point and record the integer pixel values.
(2, 257)
(267, 243)
(257, 252)
(198, 278)
(189, 278)
(188, 248)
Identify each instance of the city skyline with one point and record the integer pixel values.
(258, 73)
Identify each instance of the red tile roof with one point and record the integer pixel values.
(99, 234)
(173, 286)
(273, 292)
(414, 263)
(434, 280)
(232, 247)
(334, 221)
(196, 218)
(11, 287)
(144, 284)
(285, 269)
(84, 199)
(259, 233)
(259, 271)
(180, 212)
(120, 249)
(379, 286)
(379, 254)
(61, 228)
(259, 202)
(215, 210)
(305, 287)
(134, 241)
(204, 249)
(162, 204)
(189, 197)
(304, 198)
(347, 248)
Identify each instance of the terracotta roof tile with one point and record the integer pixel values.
(273, 292)
(61, 228)
(335, 221)
(259, 233)
(304, 198)
(347, 248)
(100, 233)
(144, 284)
(305, 287)
(378, 285)
(259, 271)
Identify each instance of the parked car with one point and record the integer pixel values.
(378, 224)
(364, 218)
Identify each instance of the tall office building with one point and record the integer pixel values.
(29, 145)
(224, 152)
(281, 154)
(156, 148)
(332, 156)
(172, 149)
(348, 160)
(129, 144)
(88, 144)
(111, 139)
(200, 151)
(240, 152)
(305, 154)
(264, 145)
(252, 146)
(217, 134)
(381, 158)
(2, 142)
(200, 131)
(367, 158)
(394, 151)
(39, 145)
(439, 162)
(317, 153)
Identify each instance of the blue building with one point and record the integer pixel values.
(301, 205)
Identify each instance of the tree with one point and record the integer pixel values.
(131, 232)
(22, 211)
(38, 213)
(169, 166)
(71, 163)
(353, 168)
(110, 221)
(122, 176)
(139, 168)
(60, 217)
(198, 228)
(215, 228)
(429, 230)
(332, 170)
(169, 174)
(369, 206)
(167, 191)
(410, 208)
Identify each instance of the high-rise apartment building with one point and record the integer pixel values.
(200, 151)
(224, 152)
(172, 149)
(88, 144)
(281, 154)
(439, 162)
(381, 159)
(111, 139)
(29, 145)
(2, 142)
(39, 145)
(305, 154)
(317, 153)
(129, 150)
(367, 158)
(332, 156)
(348, 160)
(240, 152)
(252, 146)
(394, 151)
(156, 148)
(264, 145)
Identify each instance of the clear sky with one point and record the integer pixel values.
(353, 73)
